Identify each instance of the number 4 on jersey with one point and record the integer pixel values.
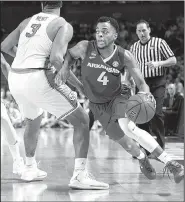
(102, 78)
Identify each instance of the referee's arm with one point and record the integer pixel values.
(167, 53)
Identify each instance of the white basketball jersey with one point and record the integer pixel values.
(34, 45)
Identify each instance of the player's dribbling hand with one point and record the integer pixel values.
(149, 96)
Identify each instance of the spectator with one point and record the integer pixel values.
(179, 87)
(172, 107)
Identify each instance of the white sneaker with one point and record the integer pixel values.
(85, 180)
(18, 166)
(33, 173)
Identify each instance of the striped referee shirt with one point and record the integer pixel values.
(156, 49)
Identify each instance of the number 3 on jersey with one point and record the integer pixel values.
(35, 28)
(102, 78)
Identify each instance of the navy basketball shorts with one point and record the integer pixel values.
(108, 114)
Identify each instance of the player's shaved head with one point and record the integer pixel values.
(51, 4)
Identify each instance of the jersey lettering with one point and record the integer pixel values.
(40, 18)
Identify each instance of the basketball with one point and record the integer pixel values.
(140, 108)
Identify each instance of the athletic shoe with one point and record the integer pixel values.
(85, 180)
(176, 169)
(33, 173)
(147, 169)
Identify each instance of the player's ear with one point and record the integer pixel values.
(42, 6)
(115, 36)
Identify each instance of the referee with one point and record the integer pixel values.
(154, 56)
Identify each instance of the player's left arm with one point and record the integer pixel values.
(5, 67)
(135, 72)
(76, 52)
(10, 42)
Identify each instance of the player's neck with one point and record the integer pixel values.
(52, 11)
(106, 52)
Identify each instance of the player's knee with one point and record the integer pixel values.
(127, 146)
(126, 143)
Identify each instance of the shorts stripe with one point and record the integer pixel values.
(64, 90)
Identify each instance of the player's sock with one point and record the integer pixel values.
(30, 161)
(141, 156)
(14, 150)
(80, 164)
(164, 157)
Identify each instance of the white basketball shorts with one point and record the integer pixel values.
(36, 91)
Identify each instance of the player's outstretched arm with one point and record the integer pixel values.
(135, 72)
(5, 67)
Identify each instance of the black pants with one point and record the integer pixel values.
(156, 125)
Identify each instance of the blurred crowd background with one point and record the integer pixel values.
(166, 21)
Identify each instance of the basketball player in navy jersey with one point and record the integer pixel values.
(102, 64)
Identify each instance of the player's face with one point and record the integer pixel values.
(143, 32)
(105, 34)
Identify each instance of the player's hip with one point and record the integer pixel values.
(30, 83)
(114, 106)
(27, 79)
(39, 86)
(38, 89)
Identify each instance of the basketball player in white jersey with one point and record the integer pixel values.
(41, 37)
(8, 130)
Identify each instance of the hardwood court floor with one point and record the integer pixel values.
(107, 161)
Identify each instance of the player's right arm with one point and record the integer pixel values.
(5, 67)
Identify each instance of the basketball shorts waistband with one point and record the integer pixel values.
(27, 70)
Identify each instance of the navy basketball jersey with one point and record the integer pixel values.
(101, 78)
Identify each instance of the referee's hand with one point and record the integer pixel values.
(152, 64)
